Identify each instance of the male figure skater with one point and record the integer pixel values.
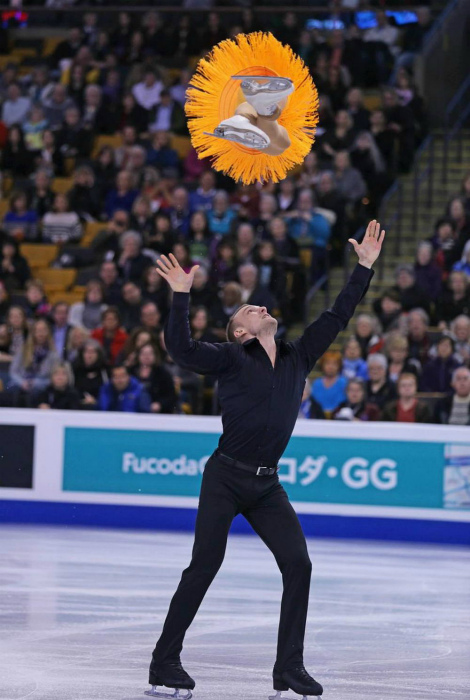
(261, 381)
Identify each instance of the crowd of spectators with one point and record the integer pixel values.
(410, 360)
(263, 244)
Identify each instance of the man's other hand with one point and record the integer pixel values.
(369, 250)
(173, 273)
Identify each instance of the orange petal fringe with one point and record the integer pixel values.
(214, 96)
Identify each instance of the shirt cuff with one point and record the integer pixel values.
(362, 274)
(180, 300)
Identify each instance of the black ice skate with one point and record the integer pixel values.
(170, 675)
(298, 680)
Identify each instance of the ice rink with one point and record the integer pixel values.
(80, 610)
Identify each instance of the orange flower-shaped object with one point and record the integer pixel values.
(213, 96)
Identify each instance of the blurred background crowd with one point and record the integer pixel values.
(99, 178)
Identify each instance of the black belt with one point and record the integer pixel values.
(258, 471)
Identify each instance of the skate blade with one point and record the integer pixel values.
(287, 81)
(273, 84)
(278, 696)
(177, 695)
(240, 137)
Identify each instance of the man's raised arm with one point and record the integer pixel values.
(204, 358)
(319, 335)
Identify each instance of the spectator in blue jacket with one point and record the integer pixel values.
(203, 197)
(311, 229)
(221, 218)
(123, 196)
(123, 393)
(354, 367)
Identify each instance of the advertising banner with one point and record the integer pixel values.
(313, 469)
(16, 456)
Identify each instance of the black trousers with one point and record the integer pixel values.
(225, 492)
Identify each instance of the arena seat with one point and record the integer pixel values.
(69, 297)
(39, 255)
(305, 255)
(4, 206)
(61, 185)
(50, 44)
(181, 144)
(113, 140)
(92, 228)
(7, 184)
(25, 52)
(55, 278)
(5, 60)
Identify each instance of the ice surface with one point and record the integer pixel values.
(80, 611)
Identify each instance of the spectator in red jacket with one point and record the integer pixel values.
(110, 335)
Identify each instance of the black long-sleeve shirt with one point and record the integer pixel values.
(260, 403)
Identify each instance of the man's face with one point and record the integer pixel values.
(200, 278)
(341, 161)
(120, 379)
(13, 92)
(58, 94)
(444, 349)
(407, 388)
(180, 198)
(355, 393)
(72, 117)
(305, 201)
(110, 322)
(354, 98)
(207, 181)
(278, 229)
(149, 80)
(123, 180)
(131, 294)
(60, 379)
(108, 273)
(75, 35)
(390, 306)
(458, 283)
(34, 295)
(150, 316)
(376, 372)
(248, 277)
(230, 296)
(352, 350)
(462, 329)
(416, 326)
(254, 320)
(60, 315)
(245, 234)
(461, 382)
(129, 136)
(405, 280)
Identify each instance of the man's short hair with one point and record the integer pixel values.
(230, 329)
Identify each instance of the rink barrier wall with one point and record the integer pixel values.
(351, 480)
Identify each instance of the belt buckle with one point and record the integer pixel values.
(260, 473)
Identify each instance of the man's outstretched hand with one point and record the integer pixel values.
(369, 250)
(173, 273)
